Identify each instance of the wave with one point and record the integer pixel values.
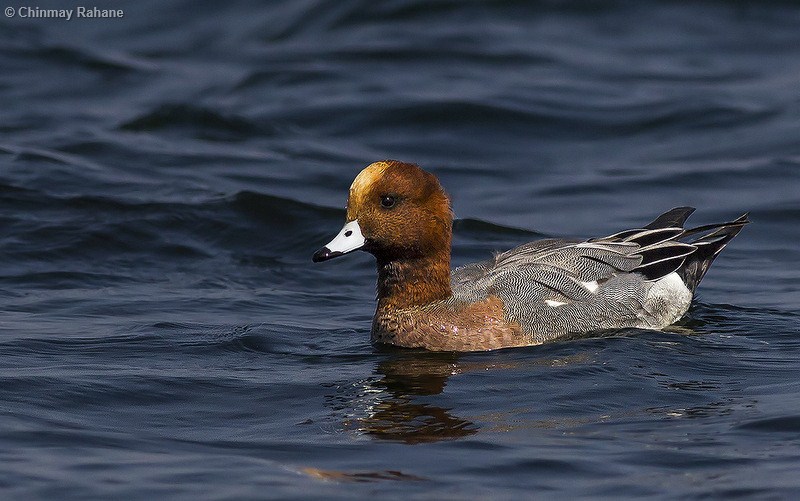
(199, 122)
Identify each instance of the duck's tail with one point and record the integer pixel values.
(666, 246)
(714, 238)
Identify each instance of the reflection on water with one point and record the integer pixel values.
(405, 399)
(363, 476)
(402, 420)
(712, 409)
(398, 413)
(396, 404)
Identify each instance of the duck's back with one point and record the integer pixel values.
(637, 278)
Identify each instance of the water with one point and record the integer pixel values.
(166, 176)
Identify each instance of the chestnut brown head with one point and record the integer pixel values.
(395, 211)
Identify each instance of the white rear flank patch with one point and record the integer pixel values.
(553, 304)
(591, 286)
(669, 296)
(671, 285)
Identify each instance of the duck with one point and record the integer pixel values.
(538, 292)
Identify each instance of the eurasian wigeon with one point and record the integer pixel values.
(537, 292)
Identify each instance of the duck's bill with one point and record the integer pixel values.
(348, 240)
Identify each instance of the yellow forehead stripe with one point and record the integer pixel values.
(368, 176)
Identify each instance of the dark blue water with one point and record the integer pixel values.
(165, 178)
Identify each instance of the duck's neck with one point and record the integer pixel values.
(407, 283)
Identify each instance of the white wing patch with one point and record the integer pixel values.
(553, 304)
(591, 286)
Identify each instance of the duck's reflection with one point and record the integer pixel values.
(404, 402)
(405, 399)
(399, 413)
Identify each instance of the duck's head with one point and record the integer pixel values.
(395, 211)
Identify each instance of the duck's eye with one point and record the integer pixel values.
(387, 201)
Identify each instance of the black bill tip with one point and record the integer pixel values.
(324, 254)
